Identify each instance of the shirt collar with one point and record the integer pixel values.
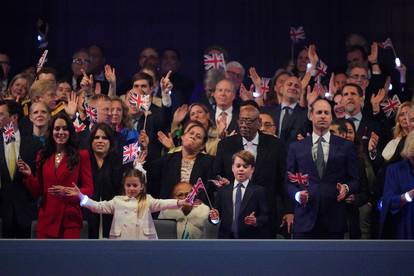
(357, 116)
(244, 183)
(255, 140)
(291, 106)
(326, 137)
(229, 110)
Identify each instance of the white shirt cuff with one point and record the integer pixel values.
(297, 197)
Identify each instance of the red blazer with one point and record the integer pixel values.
(56, 212)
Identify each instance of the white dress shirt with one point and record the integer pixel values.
(325, 145)
(251, 146)
(229, 112)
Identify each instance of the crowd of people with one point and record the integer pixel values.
(304, 155)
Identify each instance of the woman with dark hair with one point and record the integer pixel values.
(60, 165)
(186, 165)
(358, 205)
(106, 166)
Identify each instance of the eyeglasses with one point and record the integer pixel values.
(80, 61)
(247, 122)
(268, 125)
(358, 77)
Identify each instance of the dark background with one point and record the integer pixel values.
(256, 33)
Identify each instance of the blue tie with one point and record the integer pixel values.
(237, 203)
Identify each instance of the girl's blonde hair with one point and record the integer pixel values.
(398, 130)
(142, 196)
(408, 150)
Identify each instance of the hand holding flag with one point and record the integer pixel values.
(8, 133)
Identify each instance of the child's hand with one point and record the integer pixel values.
(250, 219)
(214, 214)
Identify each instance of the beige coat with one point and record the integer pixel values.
(126, 225)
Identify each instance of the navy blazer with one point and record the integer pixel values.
(341, 167)
(254, 200)
(297, 123)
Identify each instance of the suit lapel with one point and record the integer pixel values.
(228, 200)
(3, 162)
(333, 146)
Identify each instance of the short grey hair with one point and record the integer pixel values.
(237, 65)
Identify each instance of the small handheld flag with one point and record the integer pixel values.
(8, 133)
(214, 61)
(301, 179)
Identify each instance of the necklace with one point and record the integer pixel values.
(58, 158)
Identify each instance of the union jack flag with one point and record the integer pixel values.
(194, 191)
(390, 106)
(321, 69)
(301, 179)
(130, 153)
(264, 87)
(297, 34)
(142, 102)
(8, 133)
(42, 61)
(91, 113)
(214, 61)
(79, 126)
(386, 44)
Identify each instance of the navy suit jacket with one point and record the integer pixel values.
(254, 200)
(297, 123)
(341, 167)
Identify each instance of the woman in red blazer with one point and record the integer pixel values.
(60, 164)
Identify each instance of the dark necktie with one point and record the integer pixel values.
(320, 161)
(237, 203)
(286, 117)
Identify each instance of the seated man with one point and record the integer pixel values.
(246, 215)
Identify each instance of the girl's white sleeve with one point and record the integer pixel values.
(101, 207)
(157, 205)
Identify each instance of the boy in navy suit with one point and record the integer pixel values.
(241, 206)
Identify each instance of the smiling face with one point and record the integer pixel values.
(197, 113)
(100, 143)
(133, 186)
(19, 88)
(291, 90)
(60, 132)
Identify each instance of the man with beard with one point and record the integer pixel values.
(270, 160)
(322, 170)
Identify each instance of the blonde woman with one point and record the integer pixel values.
(401, 130)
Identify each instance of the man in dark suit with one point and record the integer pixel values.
(241, 205)
(322, 170)
(290, 118)
(226, 111)
(270, 162)
(18, 208)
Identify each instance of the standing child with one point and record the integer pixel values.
(132, 211)
(242, 205)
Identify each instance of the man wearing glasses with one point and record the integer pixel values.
(80, 62)
(270, 162)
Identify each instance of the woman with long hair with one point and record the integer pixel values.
(60, 165)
